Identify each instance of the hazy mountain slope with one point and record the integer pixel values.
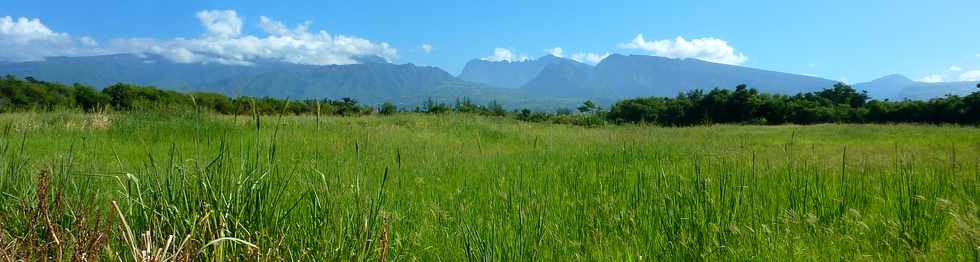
(506, 74)
(563, 79)
(372, 83)
(925, 91)
(101, 71)
(637, 75)
(898, 87)
(886, 87)
(547, 82)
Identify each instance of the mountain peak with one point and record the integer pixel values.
(893, 78)
(646, 75)
(509, 74)
(549, 57)
(898, 87)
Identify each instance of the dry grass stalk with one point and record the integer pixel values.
(92, 238)
(100, 121)
(384, 243)
(150, 252)
(45, 239)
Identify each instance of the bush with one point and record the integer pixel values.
(387, 108)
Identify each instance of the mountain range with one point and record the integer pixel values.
(372, 81)
(545, 83)
(506, 74)
(620, 76)
(899, 87)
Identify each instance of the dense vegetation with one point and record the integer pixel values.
(840, 104)
(32, 94)
(180, 186)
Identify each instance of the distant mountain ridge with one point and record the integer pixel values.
(506, 74)
(101, 71)
(563, 78)
(370, 82)
(639, 75)
(373, 81)
(545, 83)
(899, 87)
(620, 76)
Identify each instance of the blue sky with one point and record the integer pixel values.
(853, 41)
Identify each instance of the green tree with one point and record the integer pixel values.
(88, 99)
(496, 109)
(588, 107)
(387, 108)
(433, 107)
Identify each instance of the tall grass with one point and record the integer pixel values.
(158, 187)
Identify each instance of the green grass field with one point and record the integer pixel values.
(462, 187)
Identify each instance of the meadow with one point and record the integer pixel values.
(451, 187)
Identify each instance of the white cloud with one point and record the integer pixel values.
(272, 27)
(427, 48)
(87, 41)
(223, 43)
(504, 55)
(932, 78)
(589, 58)
(581, 57)
(972, 75)
(709, 49)
(24, 30)
(277, 28)
(955, 68)
(557, 51)
(221, 23)
(25, 39)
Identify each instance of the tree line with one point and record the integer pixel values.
(744, 105)
(31, 94)
(839, 104)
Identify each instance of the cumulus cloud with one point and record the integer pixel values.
(25, 39)
(589, 58)
(24, 30)
(221, 23)
(708, 49)
(504, 55)
(87, 41)
(557, 51)
(222, 42)
(277, 28)
(581, 57)
(972, 75)
(932, 78)
(427, 48)
(955, 68)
